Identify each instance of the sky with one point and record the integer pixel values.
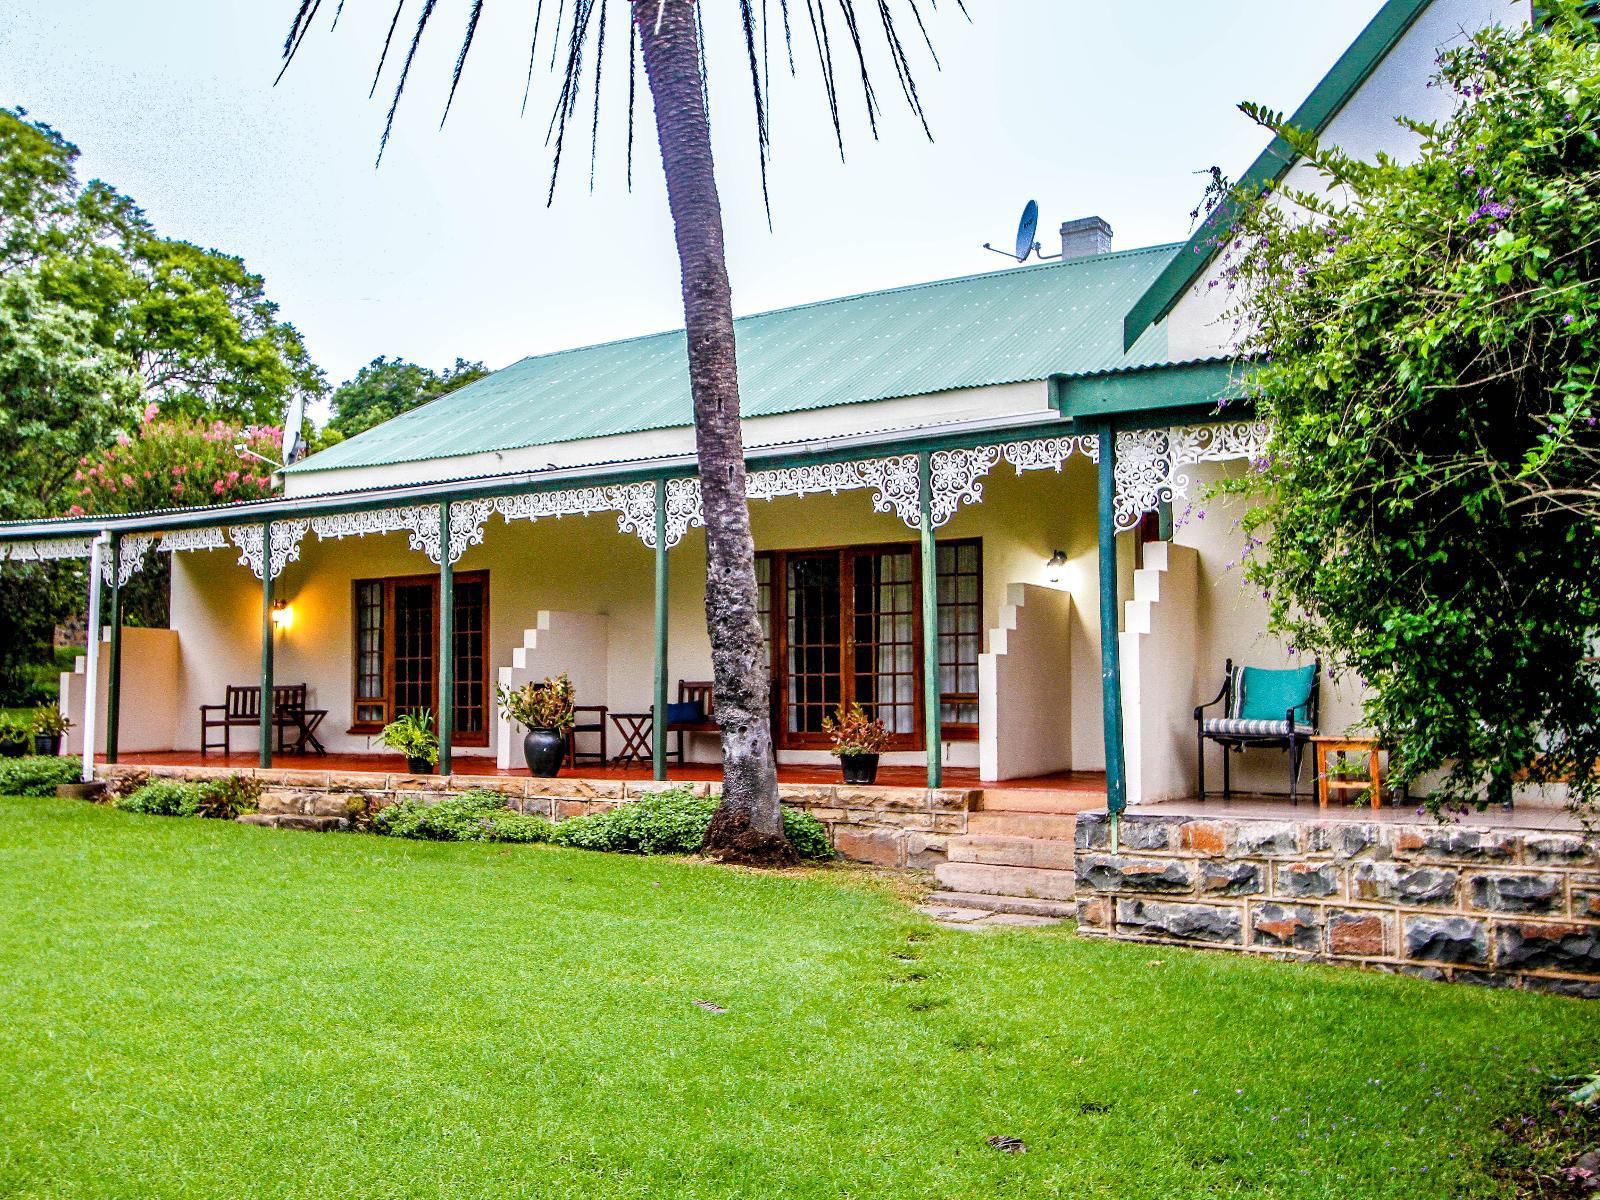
(448, 248)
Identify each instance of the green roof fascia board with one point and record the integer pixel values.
(1330, 95)
(1152, 390)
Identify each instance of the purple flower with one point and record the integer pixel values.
(1568, 319)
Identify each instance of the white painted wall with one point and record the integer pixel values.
(1364, 126)
(846, 420)
(1161, 672)
(1025, 686)
(556, 642)
(150, 690)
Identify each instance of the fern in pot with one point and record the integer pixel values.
(412, 734)
(49, 727)
(544, 709)
(857, 742)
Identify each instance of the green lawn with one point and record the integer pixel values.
(192, 1008)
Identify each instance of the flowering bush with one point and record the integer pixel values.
(1426, 336)
(174, 464)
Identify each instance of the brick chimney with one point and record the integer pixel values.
(1085, 236)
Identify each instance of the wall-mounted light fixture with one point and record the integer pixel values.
(1054, 565)
(282, 616)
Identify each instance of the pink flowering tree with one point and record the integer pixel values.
(173, 464)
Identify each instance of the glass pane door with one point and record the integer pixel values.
(884, 649)
(812, 666)
(414, 626)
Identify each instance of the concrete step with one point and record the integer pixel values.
(1006, 881)
(998, 850)
(1059, 826)
(1027, 800)
(293, 821)
(1025, 905)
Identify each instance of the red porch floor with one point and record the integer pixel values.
(1078, 782)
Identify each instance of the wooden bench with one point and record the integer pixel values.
(701, 692)
(241, 708)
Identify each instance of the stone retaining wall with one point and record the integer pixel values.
(1505, 907)
(890, 827)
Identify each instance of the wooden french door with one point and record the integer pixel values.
(396, 665)
(845, 629)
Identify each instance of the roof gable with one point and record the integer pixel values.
(1005, 326)
(1330, 95)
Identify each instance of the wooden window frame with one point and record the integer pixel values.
(953, 731)
(782, 738)
(389, 583)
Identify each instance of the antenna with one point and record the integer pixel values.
(1027, 230)
(293, 444)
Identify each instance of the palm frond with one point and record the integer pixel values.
(836, 26)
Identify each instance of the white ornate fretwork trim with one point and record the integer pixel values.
(1150, 462)
(893, 480)
(47, 551)
(286, 538)
(419, 521)
(212, 538)
(130, 559)
(1051, 453)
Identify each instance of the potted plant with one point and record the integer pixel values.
(14, 734)
(49, 726)
(545, 711)
(857, 742)
(412, 734)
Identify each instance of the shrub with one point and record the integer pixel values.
(476, 816)
(162, 798)
(36, 776)
(221, 799)
(674, 822)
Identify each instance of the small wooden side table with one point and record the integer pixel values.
(1324, 746)
(637, 730)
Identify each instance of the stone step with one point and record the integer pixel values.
(1060, 826)
(1028, 800)
(999, 850)
(293, 821)
(1006, 881)
(1025, 905)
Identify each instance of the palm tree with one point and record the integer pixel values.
(668, 36)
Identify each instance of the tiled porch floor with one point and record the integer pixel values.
(1081, 783)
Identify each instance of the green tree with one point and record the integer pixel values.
(1428, 346)
(193, 326)
(667, 36)
(387, 387)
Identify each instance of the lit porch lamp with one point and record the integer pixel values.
(282, 616)
(1054, 565)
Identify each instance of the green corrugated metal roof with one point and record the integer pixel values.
(1004, 326)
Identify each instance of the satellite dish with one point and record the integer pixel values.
(293, 443)
(1027, 228)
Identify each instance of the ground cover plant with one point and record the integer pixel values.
(35, 775)
(205, 1009)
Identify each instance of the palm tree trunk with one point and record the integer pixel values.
(748, 826)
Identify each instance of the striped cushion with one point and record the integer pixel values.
(1234, 727)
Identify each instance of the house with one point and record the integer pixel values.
(1026, 441)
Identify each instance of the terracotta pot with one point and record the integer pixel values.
(543, 749)
(859, 768)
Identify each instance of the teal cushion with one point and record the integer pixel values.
(1267, 695)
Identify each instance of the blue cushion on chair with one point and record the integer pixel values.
(689, 712)
(1267, 695)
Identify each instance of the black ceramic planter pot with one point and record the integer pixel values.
(47, 744)
(859, 768)
(419, 766)
(13, 749)
(544, 749)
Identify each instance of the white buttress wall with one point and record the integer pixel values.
(574, 643)
(149, 710)
(1025, 687)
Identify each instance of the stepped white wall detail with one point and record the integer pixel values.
(1160, 646)
(559, 641)
(1025, 686)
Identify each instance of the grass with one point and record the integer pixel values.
(196, 1008)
